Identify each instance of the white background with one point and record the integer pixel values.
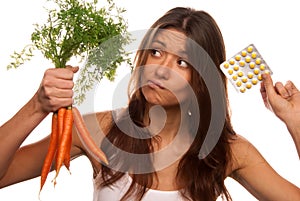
(272, 27)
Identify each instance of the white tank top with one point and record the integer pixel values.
(116, 192)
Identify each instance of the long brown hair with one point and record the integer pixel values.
(202, 178)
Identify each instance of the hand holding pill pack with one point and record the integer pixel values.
(245, 69)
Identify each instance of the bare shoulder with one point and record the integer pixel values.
(105, 120)
(99, 123)
(243, 153)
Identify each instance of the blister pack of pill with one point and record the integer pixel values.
(245, 69)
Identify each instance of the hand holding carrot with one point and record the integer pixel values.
(55, 90)
(56, 94)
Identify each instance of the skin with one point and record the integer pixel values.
(247, 167)
(284, 101)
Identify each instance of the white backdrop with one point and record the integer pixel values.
(272, 27)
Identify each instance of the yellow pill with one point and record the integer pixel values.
(226, 65)
(238, 57)
(262, 67)
(248, 59)
(248, 86)
(242, 63)
(254, 81)
(267, 72)
(242, 90)
(254, 55)
(256, 71)
(234, 77)
(240, 74)
(258, 61)
(238, 83)
(259, 77)
(251, 65)
(236, 67)
(244, 53)
(231, 61)
(250, 49)
(230, 71)
(244, 79)
(250, 75)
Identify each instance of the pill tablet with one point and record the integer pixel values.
(226, 65)
(238, 57)
(248, 59)
(256, 71)
(234, 77)
(254, 81)
(248, 86)
(242, 63)
(250, 48)
(236, 67)
(244, 53)
(252, 65)
(250, 75)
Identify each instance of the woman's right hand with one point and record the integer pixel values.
(56, 89)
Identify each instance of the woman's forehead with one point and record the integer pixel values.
(171, 41)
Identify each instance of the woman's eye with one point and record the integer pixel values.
(155, 52)
(183, 63)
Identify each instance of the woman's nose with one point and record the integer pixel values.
(164, 68)
(162, 72)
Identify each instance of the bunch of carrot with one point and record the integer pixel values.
(61, 141)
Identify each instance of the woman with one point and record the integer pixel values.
(162, 146)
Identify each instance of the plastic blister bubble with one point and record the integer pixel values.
(245, 69)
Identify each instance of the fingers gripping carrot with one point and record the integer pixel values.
(86, 137)
(64, 141)
(51, 150)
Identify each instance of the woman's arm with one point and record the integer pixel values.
(257, 176)
(17, 164)
(284, 101)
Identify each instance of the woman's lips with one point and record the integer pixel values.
(155, 84)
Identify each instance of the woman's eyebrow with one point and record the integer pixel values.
(160, 42)
(177, 51)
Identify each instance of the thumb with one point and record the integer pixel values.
(268, 85)
(73, 69)
(267, 91)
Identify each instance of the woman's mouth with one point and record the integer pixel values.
(155, 84)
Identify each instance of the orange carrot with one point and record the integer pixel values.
(60, 117)
(67, 154)
(51, 151)
(65, 139)
(86, 137)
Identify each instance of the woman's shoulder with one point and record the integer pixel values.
(109, 116)
(243, 153)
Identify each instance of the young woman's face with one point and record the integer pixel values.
(166, 75)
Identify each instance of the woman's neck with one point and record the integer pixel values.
(166, 122)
